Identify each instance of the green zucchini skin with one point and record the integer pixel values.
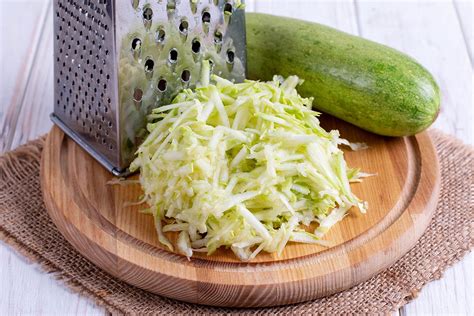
(370, 85)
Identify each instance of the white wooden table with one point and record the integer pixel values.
(437, 33)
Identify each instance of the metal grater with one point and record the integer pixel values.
(117, 60)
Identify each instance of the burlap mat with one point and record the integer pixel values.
(26, 226)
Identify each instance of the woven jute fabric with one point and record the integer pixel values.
(26, 226)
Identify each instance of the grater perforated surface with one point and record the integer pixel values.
(116, 60)
(84, 72)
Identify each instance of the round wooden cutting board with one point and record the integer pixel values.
(95, 217)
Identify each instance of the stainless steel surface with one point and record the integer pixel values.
(117, 60)
(85, 74)
(104, 162)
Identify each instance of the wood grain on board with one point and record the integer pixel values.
(95, 217)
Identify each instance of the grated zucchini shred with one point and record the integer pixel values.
(243, 166)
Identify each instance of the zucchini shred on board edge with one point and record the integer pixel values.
(245, 166)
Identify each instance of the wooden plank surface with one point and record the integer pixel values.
(338, 14)
(20, 44)
(439, 45)
(26, 96)
(20, 52)
(38, 98)
(464, 10)
(437, 32)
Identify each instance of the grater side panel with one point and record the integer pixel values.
(85, 75)
(160, 48)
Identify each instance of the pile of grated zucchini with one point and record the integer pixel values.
(243, 166)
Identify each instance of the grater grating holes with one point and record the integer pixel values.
(86, 35)
(173, 56)
(147, 17)
(85, 104)
(136, 47)
(185, 76)
(162, 85)
(230, 56)
(135, 3)
(147, 14)
(206, 17)
(196, 46)
(137, 95)
(148, 67)
(218, 37)
(228, 8)
(160, 34)
(183, 27)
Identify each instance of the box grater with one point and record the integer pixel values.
(117, 60)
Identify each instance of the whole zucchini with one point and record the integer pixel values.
(370, 85)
